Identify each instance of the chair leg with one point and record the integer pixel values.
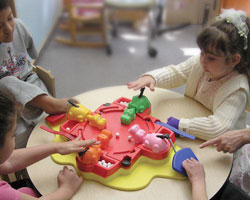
(19, 175)
(73, 31)
(103, 29)
(5, 178)
(22, 174)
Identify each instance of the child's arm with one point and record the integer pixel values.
(28, 94)
(50, 104)
(21, 158)
(223, 118)
(196, 175)
(168, 77)
(68, 184)
(229, 141)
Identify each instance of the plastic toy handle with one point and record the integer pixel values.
(175, 130)
(83, 152)
(57, 132)
(167, 137)
(70, 101)
(179, 157)
(141, 92)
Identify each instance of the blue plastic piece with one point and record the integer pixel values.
(175, 130)
(179, 157)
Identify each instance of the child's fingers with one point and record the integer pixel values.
(130, 84)
(75, 100)
(134, 86)
(139, 86)
(89, 142)
(97, 142)
(78, 142)
(84, 143)
(78, 149)
(60, 172)
(186, 162)
(151, 87)
(78, 138)
(193, 159)
(65, 168)
(190, 161)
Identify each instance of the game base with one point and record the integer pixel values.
(132, 153)
(135, 178)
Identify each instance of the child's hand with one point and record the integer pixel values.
(68, 181)
(63, 104)
(74, 146)
(147, 81)
(194, 170)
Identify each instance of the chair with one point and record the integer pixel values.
(49, 81)
(17, 176)
(16, 181)
(144, 5)
(231, 192)
(85, 17)
(47, 78)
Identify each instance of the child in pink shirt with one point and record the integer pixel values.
(13, 160)
(7, 192)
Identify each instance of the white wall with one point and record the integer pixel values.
(39, 16)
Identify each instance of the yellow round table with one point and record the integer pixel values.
(164, 103)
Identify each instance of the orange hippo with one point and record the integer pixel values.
(104, 138)
(91, 156)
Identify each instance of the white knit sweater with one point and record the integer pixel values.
(228, 106)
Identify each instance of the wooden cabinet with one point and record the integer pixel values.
(190, 11)
(131, 15)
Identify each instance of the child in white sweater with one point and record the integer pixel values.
(217, 78)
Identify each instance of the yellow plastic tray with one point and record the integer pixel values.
(135, 178)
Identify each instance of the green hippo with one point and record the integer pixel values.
(128, 115)
(138, 105)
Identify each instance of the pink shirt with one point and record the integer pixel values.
(9, 193)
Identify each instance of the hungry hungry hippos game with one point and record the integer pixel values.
(134, 146)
